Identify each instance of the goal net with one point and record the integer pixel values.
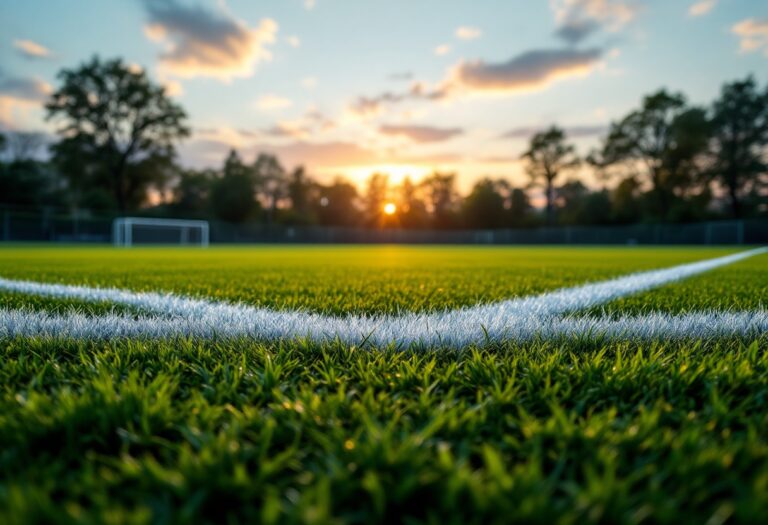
(129, 231)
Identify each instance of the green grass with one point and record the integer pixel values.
(336, 279)
(564, 432)
(160, 432)
(739, 286)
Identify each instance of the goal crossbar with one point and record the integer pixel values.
(122, 229)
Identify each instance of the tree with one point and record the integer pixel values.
(192, 193)
(24, 145)
(412, 210)
(336, 204)
(626, 201)
(665, 138)
(484, 206)
(440, 189)
(300, 188)
(740, 139)
(579, 205)
(117, 129)
(519, 207)
(271, 182)
(232, 196)
(375, 198)
(549, 155)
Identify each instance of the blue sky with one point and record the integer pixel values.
(351, 86)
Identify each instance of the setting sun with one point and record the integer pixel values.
(390, 208)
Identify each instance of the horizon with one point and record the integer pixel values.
(328, 84)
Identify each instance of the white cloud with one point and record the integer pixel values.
(309, 82)
(421, 134)
(468, 33)
(293, 41)
(578, 19)
(753, 34)
(701, 8)
(271, 102)
(30, 49)
(309, 5)
(200, 42)
(442, 49)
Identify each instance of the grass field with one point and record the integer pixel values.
(245, 430)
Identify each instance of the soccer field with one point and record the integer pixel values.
(383, 383)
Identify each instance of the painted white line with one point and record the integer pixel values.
(699, 325)
(450, 328)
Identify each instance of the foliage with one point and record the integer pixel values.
(232, 193)
(117, 129)
(740, 139)
(547, 156)
(663, 142)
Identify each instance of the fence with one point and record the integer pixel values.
(21, 226)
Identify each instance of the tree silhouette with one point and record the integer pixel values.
(336, 204)
(484, 206)
(412, 210)
(665, 138)
(549, 155)
(193, 190)
(271, 181)
(113, 121)
(740, 138)
(232, 195)
(299, 190)
(375, 198)
(440, 189)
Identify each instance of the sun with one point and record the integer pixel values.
(390, 208)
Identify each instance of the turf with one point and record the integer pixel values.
(237, 431)
(242, 432)
(739, 286)
(354, 279)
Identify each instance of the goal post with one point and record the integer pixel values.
(129, 231)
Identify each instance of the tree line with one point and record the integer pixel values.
(665, 161)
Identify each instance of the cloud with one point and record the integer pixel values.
(30, 49)
(309, 5)
(19, 96)
(309, 82)
(293, 41)
(173, 88)
(468, 33)
(442, 49)
(525, 132)
(24, 89)
(270, 102)
(311, 124)
(200, 42)
(527, 71)
(578, 19)
(701, 8)
(421, 133)
(401, 75)
(753, 34)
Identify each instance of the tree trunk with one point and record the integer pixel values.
(117, 177)
(733, 194)
(550, 202)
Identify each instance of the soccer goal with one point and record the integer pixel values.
(129, 231)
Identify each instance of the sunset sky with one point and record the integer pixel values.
(404, 86)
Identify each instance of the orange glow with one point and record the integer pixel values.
(390, 208)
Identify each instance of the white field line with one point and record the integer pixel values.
(510, 319)
(699, 325)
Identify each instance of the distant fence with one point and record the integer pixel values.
(19, 226)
